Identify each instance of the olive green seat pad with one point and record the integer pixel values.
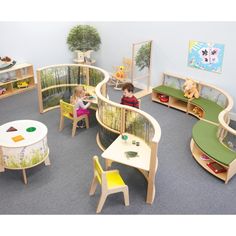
(211, 109)
(177, 93)
(204, 135)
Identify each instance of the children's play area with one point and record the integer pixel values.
(117, 118)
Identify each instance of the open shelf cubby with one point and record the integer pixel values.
(197, 153)
(177, 103)
(10, 79)
(196, 111)
(156, 98)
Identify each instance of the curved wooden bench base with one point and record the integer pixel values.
(204, 137)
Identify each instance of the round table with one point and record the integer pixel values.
(23, 145)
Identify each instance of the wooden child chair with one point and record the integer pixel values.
(110, 181)
(69, 111)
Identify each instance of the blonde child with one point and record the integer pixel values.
(77, 100)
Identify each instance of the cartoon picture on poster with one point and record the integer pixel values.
(206, 56)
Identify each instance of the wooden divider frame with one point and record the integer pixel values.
(148, 75)
(149, 175)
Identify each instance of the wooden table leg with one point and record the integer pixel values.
(150, 192)
(47, 162)
(24, 176)
(108, 163)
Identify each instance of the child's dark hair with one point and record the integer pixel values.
(128, 86)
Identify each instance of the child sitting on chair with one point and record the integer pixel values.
(76, 99)
(128, 98)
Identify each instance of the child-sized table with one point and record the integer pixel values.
(23, 145)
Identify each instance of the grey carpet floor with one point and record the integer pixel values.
(182, 186)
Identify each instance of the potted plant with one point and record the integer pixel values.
(143, 56)
(83, 39)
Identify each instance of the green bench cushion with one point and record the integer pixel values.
(211, 108)
(204, 135)
(170, 92)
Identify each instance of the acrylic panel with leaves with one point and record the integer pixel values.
(214, 95)
(173, 82)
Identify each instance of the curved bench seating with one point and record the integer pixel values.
(177, 93)
(204, 135)
(211, 109)
(207, 132)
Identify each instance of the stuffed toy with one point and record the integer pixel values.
(197, 111)
(120, 74)
(190, 89)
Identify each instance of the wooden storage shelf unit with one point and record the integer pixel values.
(156, 98)
(18, 73)
(197, 153)
(177, 103)
(200, 112)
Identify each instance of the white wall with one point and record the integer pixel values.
(44, 43)
(40, 43)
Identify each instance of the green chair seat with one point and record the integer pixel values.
(177, 93)
(204, 135)
(210, 108)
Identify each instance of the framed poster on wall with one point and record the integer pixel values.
(206, 56)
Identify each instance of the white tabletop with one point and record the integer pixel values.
(116, 152)
(21, 126)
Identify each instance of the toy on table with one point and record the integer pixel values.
(124, 137)
(2, 90)
(18, 138)
(190, 89)
(197, 111)
(131, 154)
(22, 84)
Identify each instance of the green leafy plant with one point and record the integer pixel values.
(143, 56)
(83, 38)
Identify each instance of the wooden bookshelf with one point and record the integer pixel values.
(18, 73)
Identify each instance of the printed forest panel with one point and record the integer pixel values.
(206, 56)
(63, 75)
(106, 137)
(139, 126)
(95, 77)
(25, 157)
(52, 97)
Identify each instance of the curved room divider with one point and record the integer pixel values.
(55, 83)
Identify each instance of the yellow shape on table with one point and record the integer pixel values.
(17, 138)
